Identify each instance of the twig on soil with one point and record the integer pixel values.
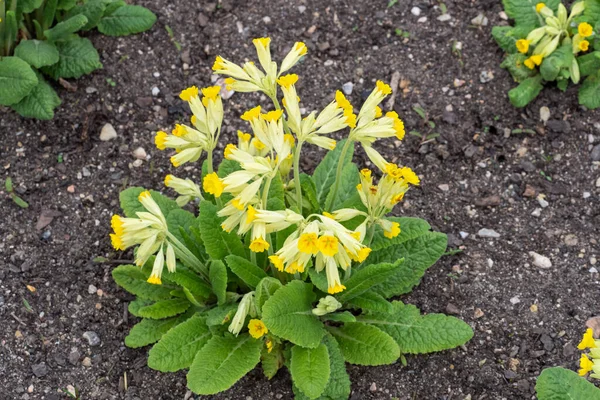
(18, 319)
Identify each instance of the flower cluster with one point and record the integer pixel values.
(586, 364)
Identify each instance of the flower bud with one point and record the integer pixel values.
(327, 304)
(536, 35)
(574, 70)
(237, 323)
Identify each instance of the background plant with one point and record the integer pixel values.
(549, 44)
(39, 38)
(279, 267)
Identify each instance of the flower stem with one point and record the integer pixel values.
(297, 175)
(338, 174)
(188, 257)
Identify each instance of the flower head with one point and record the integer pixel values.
(212, 184)
(257, 328)
(539, 7)
(584, 45)
(587, 342)
(522, 45)
(585, 365)
(584, 29)
(189, 93)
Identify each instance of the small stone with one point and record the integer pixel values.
(515, 300)
(90, 90)
(140, 153)
(422, 20)
(71, 188)
(444, 17)
(416, 11)
(30, 389)
(108, 133)
(202, 20)
(586, 195)
(40, 370)
(347, 88)
(529, 191)
(537, 212)
(593, 260)
(540, 260)
(155, 91)
(185, 57)
(542, 202)
(267, 19)
(87, 362)
(489, 201)
(595, 155)
(598, 182)
(86, 172)
(137, 163)
(74, 357)
(458, 82)
(571, 240)
(544, 114)
(144, 101)
(488, 233)
(478, 313)
(444, 187)
(301, 9)
(92, 338)
(593, 270)
(533, 308)
(92, 289)
(452, 309)
(373, 387)
(480, 20)
(559, 126)
(503, 15)
(463, 235)
(156, 74)
(486, 76)
(568, 350)
(328, 63)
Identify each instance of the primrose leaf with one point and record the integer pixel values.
(218, 280)
(526, 91)
(17, 80)
(127, 20)
(149, 331)
(325, 172)
(514, 63)
(366, 278)
(589, 92)
(523, 11)
(133, 280)
(39, 103)
(310, 369)
(65, 28)
(364, 344)
(165, 308)
(93, 11)
(217, 242)
(561, 58)
(37, 53)
(410, 228)
(347, 186)
(561, 384)
(589, 63)
(78, 57)
(247, 271)
(264, 290)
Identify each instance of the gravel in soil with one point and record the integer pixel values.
(503, 185)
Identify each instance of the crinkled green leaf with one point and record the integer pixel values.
(271, 361)
(410, 228)
(65, 28)
(178, 219)
(562, 384)
(66, 4)
(131, 205)
(365, 344)
(276, 199)
(39, 103)
(217, 242)
(324, 175)
(514, 63)
(366, 278)
(78, 57)
(589, 63)
(218, 279)
(133, 280)
(319, 279)
(347, 186)
(592, 9)
(309, 192)
(526, 91)
(310, 369)
(178, 347)
(523, 11)
(93, 11)
(288, 314)
(419, 334)
(127, 20)
(264, 290)
(222, 362)
(165, 308)
(189, 280)
(507, 36)
(37, 53)
(27, 6)
(221, 315)
(560, 58)
(344, 316)
(149, 331)
(135, 306)
(589, 92)
(371, 301)
(247, 271)
(419, 254)
(17, 80)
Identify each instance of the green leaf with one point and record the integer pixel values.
(410, 228)
(276, 199)
(319, 279)
(365, 344)
(39, 103)
(589, 92)
(17, 80)
(221, 315)
(589, 63)
(526, 91)
(165, 308)
(217, 242)
(344, 316)
(222, 362)
(189, 280)
(180, 219)
(264, 290)
(561, 58)
(310, 369)
(592, 9)
(27, 6)
(288, 314)
(371, 301)
(113, 6)
(133, 280)
(562, 84)
(324, 175)
(250, 273)
(63, 29)
(93, 11)
(66, 4)
(218, 280)
(419, 254)
(77, 57)
(523, 11)
(271, 362)
(514, 63)
(127, 20)
(347, 186)
(366, 278)
(37, 53)
(134, 306)
(149, 331)
(178, 347)
(507, 36)
(131, 205)
(309, 192)
(562, 384)
(49, 14)
(419, 334)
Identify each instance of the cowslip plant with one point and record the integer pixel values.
(39, 38)
(279, 267)
(560, 383)
(550, 44)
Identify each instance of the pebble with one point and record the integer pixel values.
(537, 212)
(92, 338)
(488, 233)
(458, 82)
(267, 20)
(416, 11)
(444, 18)
(593, 260)
(480, 20)
(444, 187)
(515, 300)
(503, 15)
(543, 203)
(155, 91)
(347, 88)
(373, 387)
(478, 313)
(86, 172)
(586, 195)
(540, 260)
(598, 182)
(328, 63)
(486, 76)
(74, 357)
(301, 9)
(108, 133)
(140, 153)
(463, 235)
(137, 163)
(71, 188)
(422, 20)
(571, 240)
(90, 90)
(40, 370)
(595, 155)
(452, 309)
(593, 270)
(92, 289)
(544, 114)
(156, 74)
(87, 362)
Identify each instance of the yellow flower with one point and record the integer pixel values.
(259, 245)
(229, 82)
(264, 42)
(378, 112)
(211, 92)
(384, 88)
(398, 124)
(409, 176)
(300, 47)
(585, 29)
(218, 63)
(529, 63)
(336, 288)
(308, 243)
(350, 118)
(587, 342)
(251, 114)
(168, 178)
(537, 59)
(213, 185)
(257, 329)
(244, 137)
(250, 214)
(189, 93)
(155, 280)
(328, 245)
(287, 80)
(395, 231)
(584, 45)
(269, 344)
(522, 45)
(178, 131)
(272, 116)
(585, 365)
(277, 262)
(328, 215)
(539, 6)
(160, 139)
(228, 150)
(363, 254)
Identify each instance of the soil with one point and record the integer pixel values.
(482, 171)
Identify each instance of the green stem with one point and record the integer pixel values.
(369, 235)
(296, 167)
(188, 257)
(2, 25)
(338, 174)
